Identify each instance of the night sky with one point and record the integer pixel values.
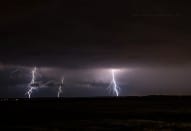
(82, 40)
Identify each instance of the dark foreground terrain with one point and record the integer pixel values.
(122, 113)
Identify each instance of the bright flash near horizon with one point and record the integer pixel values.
(60, 88)
(32, 85)
(114, 86)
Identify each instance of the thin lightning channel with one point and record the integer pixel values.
(33, 76)
(114, 86)
(60, 88)
(32, 85)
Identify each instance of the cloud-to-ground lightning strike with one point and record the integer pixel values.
(32, 85)
(60, 88)
(113, 85)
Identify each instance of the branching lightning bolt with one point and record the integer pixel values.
(115, 88)
(32, 85)
(60, 88)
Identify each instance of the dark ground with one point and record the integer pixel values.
(122, 113)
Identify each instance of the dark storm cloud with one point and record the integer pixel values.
(95, 82)
(94, 34)
(159, 81)
(81, 40)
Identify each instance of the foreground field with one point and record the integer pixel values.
(125, 113)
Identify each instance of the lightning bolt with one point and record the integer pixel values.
(29, 92)
(113, 86)
(33, 76)
(32, 85)
(60, 88)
